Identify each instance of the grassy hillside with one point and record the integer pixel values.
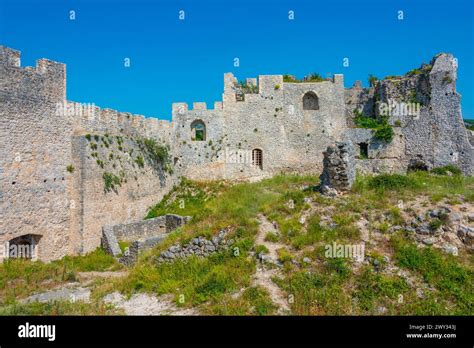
(399, 275)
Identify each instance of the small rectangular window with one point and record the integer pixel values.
(363, 150)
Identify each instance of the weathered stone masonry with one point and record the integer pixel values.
(53, 161)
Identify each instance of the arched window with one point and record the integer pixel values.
(310, 101)
(23, 246)
(257, 158)
(198, 130)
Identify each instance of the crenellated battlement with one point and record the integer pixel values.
(183, 108)
(46, 81)
(10, 58)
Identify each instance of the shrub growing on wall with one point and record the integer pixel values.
(383, 130)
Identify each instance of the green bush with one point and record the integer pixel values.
(261, 249)
(372, 80)
(313, 77)
(248, 88)
(416, 71)
(271, 237)
(391, 182)
(445, 169)
(70, 168)
(383, 130)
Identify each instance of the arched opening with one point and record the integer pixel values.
(198, 131)
(25, 246)
(310, 101)
(257, 158)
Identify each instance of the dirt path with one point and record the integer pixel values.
(263, 276)
(144, 304)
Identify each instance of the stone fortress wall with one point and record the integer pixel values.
(435, 137)
(41, 134)
(272, 127)
(273, 121)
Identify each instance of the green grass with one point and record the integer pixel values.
(222, 283)
(124, 245)
(319, 293)
(271, 237)
(413, 184)
(20, 278)
(374, 289)
(253, 301)
(454, 282)
(208, 283)
(213, 206)
(446, 169)
(194, 280)
(261, 249)
(188, 198)
(58, 308)
(391, 182)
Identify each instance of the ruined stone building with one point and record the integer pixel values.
(69, 169)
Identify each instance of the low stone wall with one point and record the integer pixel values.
(198, 246)
(143, 235)
(131, 255)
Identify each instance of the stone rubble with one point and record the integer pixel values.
(198, 246)
(338, 169)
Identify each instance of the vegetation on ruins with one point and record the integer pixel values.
(247, 88)
(313, 77)
(140, 161)
(157, 154)
(372, 80)
(425, 68)
(382, 129)
(111, 181)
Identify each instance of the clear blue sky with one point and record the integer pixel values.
(173, 60)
